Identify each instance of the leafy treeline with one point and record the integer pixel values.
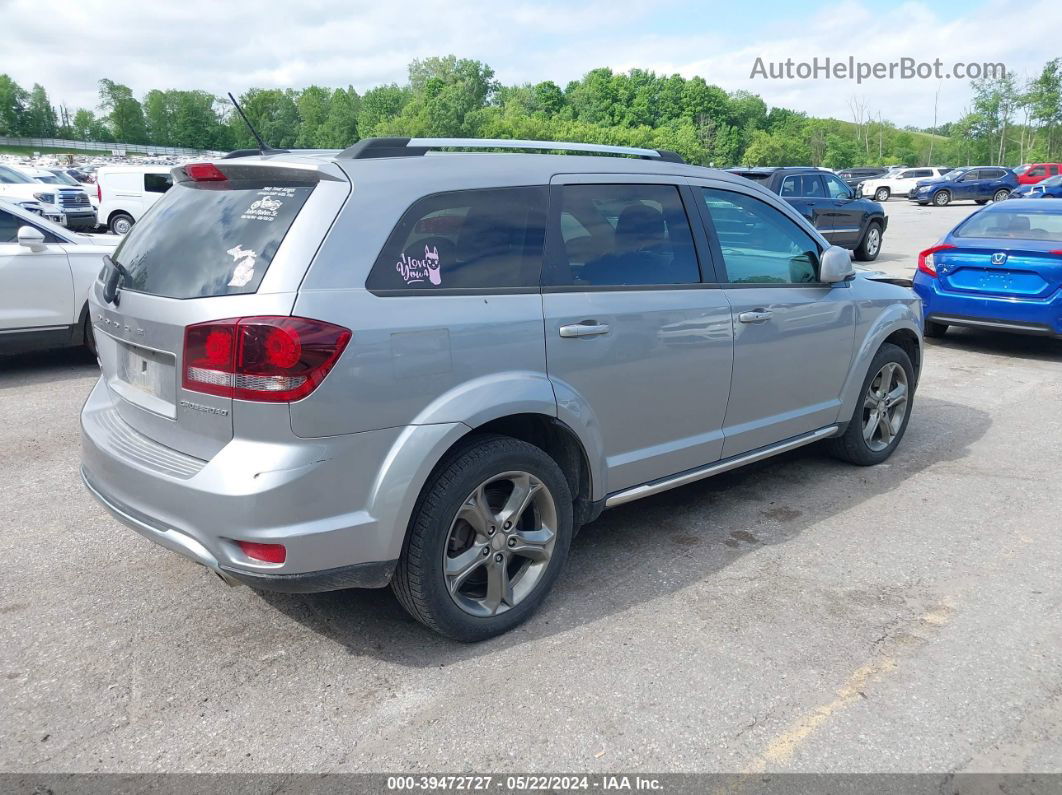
(1007, 122)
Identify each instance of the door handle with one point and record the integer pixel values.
(584, 329)
(758, 316)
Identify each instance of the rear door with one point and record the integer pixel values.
(846, 213)
(793, 340)
(807, 194)
(209, 250)
(634, 339)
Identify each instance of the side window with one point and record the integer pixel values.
(157, 183)
(466, 239)
(760, 245)
(1052, 170)
(9, 177)
(791, 186)
(812, 186)
(922, 172)
(991, 173)
(970, 175)
(9, 225)
(836, 188)
(907, 174)
(1037, 171)
(623, 235)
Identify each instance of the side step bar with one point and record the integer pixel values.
(693, 475)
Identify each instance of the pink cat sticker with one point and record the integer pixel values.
(415, 271)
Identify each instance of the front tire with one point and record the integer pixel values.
(942, 198)
(870, 246)
(882, 194)
(934, 329)
(884, 409)
(488, 538)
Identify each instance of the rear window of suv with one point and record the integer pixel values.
(210, 238)
(468, 239)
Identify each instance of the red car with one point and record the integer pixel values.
(1031, 173)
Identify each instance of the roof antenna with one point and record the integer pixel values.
(263, 147)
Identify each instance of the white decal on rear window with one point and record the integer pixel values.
(414, 271)
(244, 270)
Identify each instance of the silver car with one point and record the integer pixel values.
(416, 364)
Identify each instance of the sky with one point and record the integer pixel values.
(232, 45)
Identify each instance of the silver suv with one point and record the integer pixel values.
(404, 363)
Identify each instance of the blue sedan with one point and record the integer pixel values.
(1050, 188)
(1000, 269)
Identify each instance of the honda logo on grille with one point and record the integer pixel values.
(999, 258)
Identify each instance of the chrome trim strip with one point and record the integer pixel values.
(504, 143)
(648, 489)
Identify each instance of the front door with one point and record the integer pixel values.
(38, 290)
(793, 340)
(638, 349)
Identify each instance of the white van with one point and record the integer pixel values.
(126, 192)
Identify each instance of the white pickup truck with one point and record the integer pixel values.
(45, 275)
(65, 203)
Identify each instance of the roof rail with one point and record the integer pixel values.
(414, 147)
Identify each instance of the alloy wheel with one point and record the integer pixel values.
(885, 406)
(500, 543)
(873, 241)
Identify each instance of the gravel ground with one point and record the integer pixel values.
(796, 615)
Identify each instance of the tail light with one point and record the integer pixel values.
(925, 259)
(99, 192)
(271, 359)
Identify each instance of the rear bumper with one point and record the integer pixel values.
(1042, 318)
(320, 498)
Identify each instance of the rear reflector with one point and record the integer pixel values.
(204, 172)
(267, 553)
(925, 259)
(271, 359)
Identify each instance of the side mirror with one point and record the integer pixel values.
(31, 237)
(836, 265)
(856, 192)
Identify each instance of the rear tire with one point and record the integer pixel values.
(877, 427)
(89, 337)
(120, 223)
(870, 246)
(463, 510)
(934, 329)
(942, 198)
(1000, 195)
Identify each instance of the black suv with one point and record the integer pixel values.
(853, 176)
(837, 210)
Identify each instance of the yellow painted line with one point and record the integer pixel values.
(781, 749)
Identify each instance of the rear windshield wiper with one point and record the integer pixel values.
(116, 275)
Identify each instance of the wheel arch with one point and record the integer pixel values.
(897, 324)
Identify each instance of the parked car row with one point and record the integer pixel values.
(117, 197)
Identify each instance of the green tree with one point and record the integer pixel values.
(314, 104)
(13, 101)
(379, 105)
(340, 128)
(86, 127)
(124, 114)
(273, 113)
(40, 117)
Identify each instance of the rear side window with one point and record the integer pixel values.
(157, 183)
(210, 238)
(469, 239)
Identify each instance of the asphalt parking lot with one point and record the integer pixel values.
(798, 615)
